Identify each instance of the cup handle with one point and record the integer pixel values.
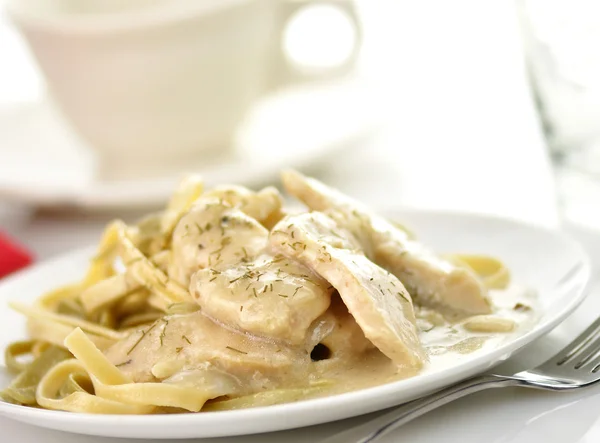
(283, 71)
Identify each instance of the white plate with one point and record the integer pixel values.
(546, 260)
(42, 162)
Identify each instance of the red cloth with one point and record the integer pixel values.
(12, 256)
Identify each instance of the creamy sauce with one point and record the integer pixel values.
(447, 344)
(450, 344)
(188, 342)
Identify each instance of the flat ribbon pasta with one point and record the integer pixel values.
(55, 333)
(44, 315)
(106, 292)
(47, 393)
(15, 350)
(148, 275)
(111, 384)
(188, 191)
(493, 273)
(23, 387)
(268, 398)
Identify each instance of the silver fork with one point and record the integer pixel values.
(576, 366)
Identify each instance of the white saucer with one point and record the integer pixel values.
(42, 162)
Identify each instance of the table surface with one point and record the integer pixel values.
(467, 140)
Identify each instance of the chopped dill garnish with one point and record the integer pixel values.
(186, 339)
(282, 295)
(124, 363)
(164, 331)
(403, 296)
(235, 350)
(140, 339)
(521, 307)
(216, 251)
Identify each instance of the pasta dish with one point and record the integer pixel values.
(227, 300)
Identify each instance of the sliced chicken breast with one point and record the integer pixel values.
(271, 296)
(261, 205)
(344, 338)
(181, 343)
(376, 299)
(431, 280)
(213, 234)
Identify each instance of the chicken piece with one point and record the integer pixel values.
(431, 280)
(271, 297)
(434, 282)
(213, 234)
(261, 205)
(376, 299)
(182, 343)
(344, 337)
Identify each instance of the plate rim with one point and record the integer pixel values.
(220, 419)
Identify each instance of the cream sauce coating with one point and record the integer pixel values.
(186, 342)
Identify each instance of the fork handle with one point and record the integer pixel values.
(374, 429)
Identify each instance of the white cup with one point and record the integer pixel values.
(150, 83)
